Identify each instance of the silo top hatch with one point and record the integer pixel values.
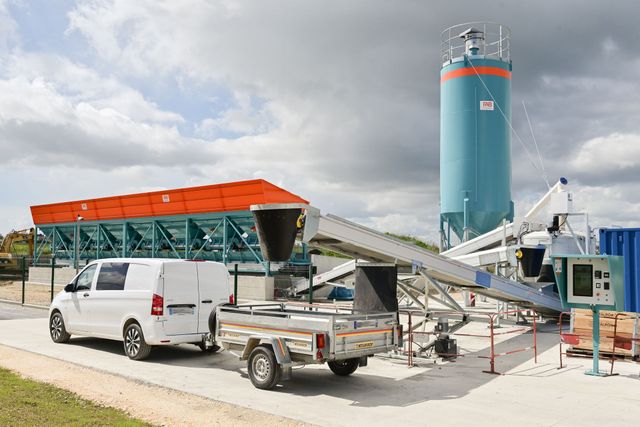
(481, 39)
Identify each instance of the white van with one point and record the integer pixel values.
(142, 302)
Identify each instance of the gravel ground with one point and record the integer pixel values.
(157, 405)
(35, 294)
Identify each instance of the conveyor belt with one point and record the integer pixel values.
(343, 236)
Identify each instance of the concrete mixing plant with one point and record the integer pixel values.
(475, 138)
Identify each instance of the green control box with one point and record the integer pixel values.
(585, 281)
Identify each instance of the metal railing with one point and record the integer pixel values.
(572, 338)
(16, 286)
(493, 355)
(623, 342)
(496, 44)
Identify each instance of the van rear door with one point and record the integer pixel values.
(180, 298)
(213, 283)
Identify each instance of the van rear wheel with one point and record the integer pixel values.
(134, 344)
(264, 370)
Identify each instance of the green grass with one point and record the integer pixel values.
(430, 246)
(326, 252)
(21, 248)
(26, 402)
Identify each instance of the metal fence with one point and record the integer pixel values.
(25, 282)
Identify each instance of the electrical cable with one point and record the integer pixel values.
(535, 142)
(524, 147)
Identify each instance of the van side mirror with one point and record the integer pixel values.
(69, 287)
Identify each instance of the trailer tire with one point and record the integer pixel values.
(343, 367)
(264, 370)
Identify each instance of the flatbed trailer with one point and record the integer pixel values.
(273, 338)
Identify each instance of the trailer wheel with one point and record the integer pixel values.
(264, 370)
(343, 367)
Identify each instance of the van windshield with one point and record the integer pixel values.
(83, 283)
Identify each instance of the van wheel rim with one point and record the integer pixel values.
(56, 327)
(132, 341)
(261, 367)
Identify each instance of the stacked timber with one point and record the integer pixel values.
(583, 326)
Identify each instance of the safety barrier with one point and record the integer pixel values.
(569, 338)
(492, 334)
(622, 342)
(572, 338)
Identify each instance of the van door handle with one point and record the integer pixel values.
(207, 301)
(86, 294)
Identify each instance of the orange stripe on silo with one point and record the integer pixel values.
(468, 71)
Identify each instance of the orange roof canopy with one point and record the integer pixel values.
(232, 196)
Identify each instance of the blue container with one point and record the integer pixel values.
(341, 294)
(626, 243)
(475, 144)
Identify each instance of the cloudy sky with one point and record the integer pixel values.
(337, 101)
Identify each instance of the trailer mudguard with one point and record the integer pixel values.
(279, 347)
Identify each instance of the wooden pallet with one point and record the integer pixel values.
(578, 352)
(583, 326)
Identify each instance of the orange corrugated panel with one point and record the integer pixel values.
(232, 196)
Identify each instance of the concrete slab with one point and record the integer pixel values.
(384, 392)
(16, 311)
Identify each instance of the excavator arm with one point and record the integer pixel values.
(26, 235)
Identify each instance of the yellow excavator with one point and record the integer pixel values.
(9, 261)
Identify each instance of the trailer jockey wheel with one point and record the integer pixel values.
(203, 346)
(264, 370)
(343, 367)
(212, 329)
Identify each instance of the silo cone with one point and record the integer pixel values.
(276, 227)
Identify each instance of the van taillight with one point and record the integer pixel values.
(156, 305)
(232, 300)
(320, 341)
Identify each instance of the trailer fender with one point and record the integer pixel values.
(278, 345)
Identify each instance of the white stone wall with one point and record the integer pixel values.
(325, 263)
(256, 288)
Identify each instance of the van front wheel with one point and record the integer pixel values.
(134, 344)
(57, 330)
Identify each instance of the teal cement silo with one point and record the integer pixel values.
(475, 134)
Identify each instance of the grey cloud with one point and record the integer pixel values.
(354, 87)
